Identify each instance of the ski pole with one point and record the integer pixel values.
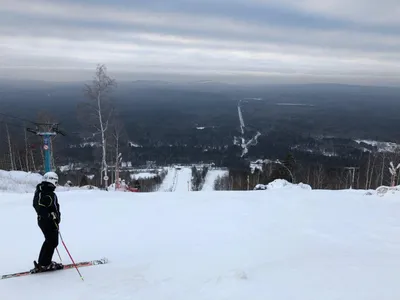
(70, 256)
(59, 255)
(68, 252)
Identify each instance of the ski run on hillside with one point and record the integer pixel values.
(283, 243)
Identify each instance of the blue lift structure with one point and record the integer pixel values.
(46, 135)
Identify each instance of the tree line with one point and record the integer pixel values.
(371, 172)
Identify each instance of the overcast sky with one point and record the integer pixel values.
(343, 41)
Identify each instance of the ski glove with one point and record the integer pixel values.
(54, 216)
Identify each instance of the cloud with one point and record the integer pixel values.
(242, 38)
(385, 12)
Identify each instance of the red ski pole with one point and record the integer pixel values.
(69, 253)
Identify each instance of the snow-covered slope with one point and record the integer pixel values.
(169, 182)
(18, 181)
(177, 180)
(184, 180)
(211, 177)
(274, 244)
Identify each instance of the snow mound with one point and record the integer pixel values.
(282, 183)
(25, 182)
(142, 175)
(74, 188)
(18, 181)
(384, 190)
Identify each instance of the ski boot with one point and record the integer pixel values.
(53, 266)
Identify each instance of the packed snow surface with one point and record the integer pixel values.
(169, 181)
(177, 180)
(184, 178)
(274, 244)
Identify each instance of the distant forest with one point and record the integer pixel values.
(196, 122)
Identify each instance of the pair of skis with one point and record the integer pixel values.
(65, 267)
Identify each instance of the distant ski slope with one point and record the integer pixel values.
(177, 180)
(210, 179)
(184, 180)
(169, 182)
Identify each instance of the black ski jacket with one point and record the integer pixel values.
(45, 202)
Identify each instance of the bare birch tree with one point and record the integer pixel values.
(372, 171)
(368, 171)
(33, 160)
(319, 176)
(12, 163)
(26, 151)
(117, 133)
(100, 111)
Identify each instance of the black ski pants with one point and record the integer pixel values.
(50, 243)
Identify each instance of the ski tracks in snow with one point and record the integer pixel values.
(177, 180)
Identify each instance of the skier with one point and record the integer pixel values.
(46, 205)
(137, 185)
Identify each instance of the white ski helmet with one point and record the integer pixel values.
(51, 177)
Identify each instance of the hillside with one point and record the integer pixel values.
(284, 243)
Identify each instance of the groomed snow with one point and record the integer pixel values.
(177, 180)
(184, 178)
(274, 244)
(169, 181)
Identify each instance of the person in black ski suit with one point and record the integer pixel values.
(137, 185)
(45, 203)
